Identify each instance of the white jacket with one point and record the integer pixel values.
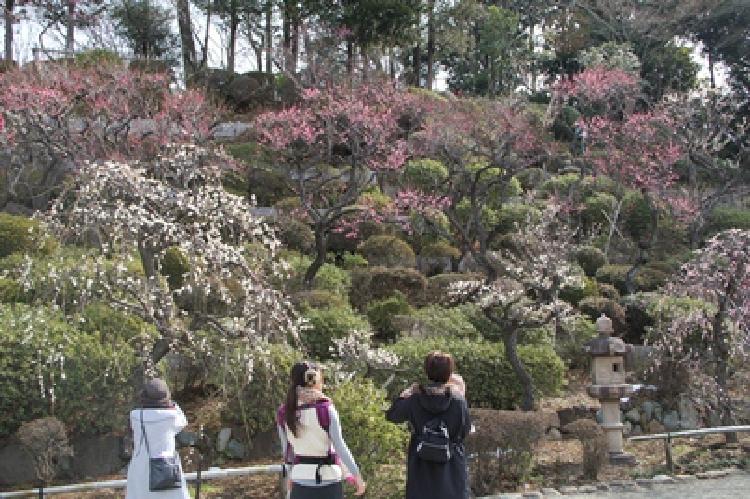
(161, 427)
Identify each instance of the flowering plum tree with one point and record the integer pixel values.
(55, 117)
(600, 91)
(141, 214)
(476, 148)
(331, 147)
(525, 294)
(710, 340)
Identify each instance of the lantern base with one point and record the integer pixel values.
(622, 459)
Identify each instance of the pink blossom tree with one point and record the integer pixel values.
(709, 341)
(331, 147)
(57, 117)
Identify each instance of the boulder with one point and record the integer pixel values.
(647, 411)
(96, 456)
(186, 438)
(236, 449)
(223, 439)
(671, 421)
(633, 415)
(689, 417)
(16, 466)
(654, 426)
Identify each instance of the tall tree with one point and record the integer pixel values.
(146, 26)
(187, 39)
(9, 20)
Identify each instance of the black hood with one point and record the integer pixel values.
(435, 399)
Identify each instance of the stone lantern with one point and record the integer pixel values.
(608, 385)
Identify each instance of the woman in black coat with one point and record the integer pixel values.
(442, 399)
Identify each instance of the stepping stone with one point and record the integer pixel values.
(568, 489)
(602, 487)
(662, 479)
(684, 478)
(532, 495)
(644, 482)
(587, 489)
(550, 492)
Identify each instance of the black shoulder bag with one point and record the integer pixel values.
(434, 442)
(163, 472)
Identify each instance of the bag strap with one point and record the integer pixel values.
(144, 437)
(324, 416)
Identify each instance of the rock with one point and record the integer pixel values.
(16, 466)
(671, 421)
(644, 482)
(568, 490)
(658, 412)
(654, 427)
(570, 414)
(236, 449)
(714, 419)
(599, 416)
(186, 438)
(97, 455)
(550, 492)
(223, 439)
(532, 495)
(636, 430)
(230, 130)
(689, 418)
(554, 434)
(623, 485)
(633, 415)
(602, 487)
(627, 428)
(647, 412)
(712, 474)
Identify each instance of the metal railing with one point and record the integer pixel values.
(667, 437)
(211, 474)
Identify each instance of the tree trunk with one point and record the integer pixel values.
(233, 23)
(321, 248)
(295, 44)
(269, 37)
(417, 65)
(711, 67)
(287, 35)
(430, 44)
(70, 29)
(204, 49)
(8, 16)
(510, 340)
(531, 57)
(721, 351)
(391, 63)
(187, 41)
(350, 58)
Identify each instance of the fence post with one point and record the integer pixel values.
(668, 451)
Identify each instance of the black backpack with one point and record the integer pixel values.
(434, 443)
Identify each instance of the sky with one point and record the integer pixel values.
(28, 35)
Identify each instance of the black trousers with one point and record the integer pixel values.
(332, 491)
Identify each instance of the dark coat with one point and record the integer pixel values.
(427, 480)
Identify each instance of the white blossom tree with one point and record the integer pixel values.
(525, 293)
(140, 216)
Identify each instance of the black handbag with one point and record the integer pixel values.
(164, 473)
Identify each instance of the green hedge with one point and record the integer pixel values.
(453, 322)
(19, 235)
(590, 259)
(575, 295)
(329, 277)
(724, 218)
(597, 207)
(647, 278)
(388, 251)
(87, 368)
(174, 266)
(381, 314)
(636, 216)
(375, 283)
(327, 324)
(513, 216)
(595, 306)
(295, 235)
(11, 291)
(490, 380)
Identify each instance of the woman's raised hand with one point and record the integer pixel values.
(360, 485)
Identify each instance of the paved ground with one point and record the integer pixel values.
(736, 485)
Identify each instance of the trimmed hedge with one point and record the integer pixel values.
(374, 283)
(646, 278)
(18, 235)
(388, 251)
(174, 266)
(614, 275)
(636, 216)
(10, 291)
(381, 314)
(596, 206)
(513, 216)
(295, 235)
(440, 249)
(575, 295)
(490, 380)
(328, 324)
(319, 298)
(725, 217)
(590, 259)
(453, 322)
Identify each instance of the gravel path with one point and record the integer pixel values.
(736, 485)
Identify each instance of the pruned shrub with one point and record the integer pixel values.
(319, 298)
(46, 442)
(574, 295)
(504, 448)
(573, 333)
(388, 251)
(609, 291)
(378, 444)
(10, 291)
(490, 380)
(594, 443)
(513, 216)
(374, 283)
(19, 235)
(174, 266)
(725, 217)
(435, 320)
(615, 275)
(636, 216)
(590, 259)
(328, 324)
(594, 307)
(382, 312)
(561, 184)
(650, 279)
(597, 208)
(440, 249)
(563, 125)
(329, 277)
(295, 235)
(531, 178)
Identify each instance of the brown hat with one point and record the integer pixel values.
(156, 394)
